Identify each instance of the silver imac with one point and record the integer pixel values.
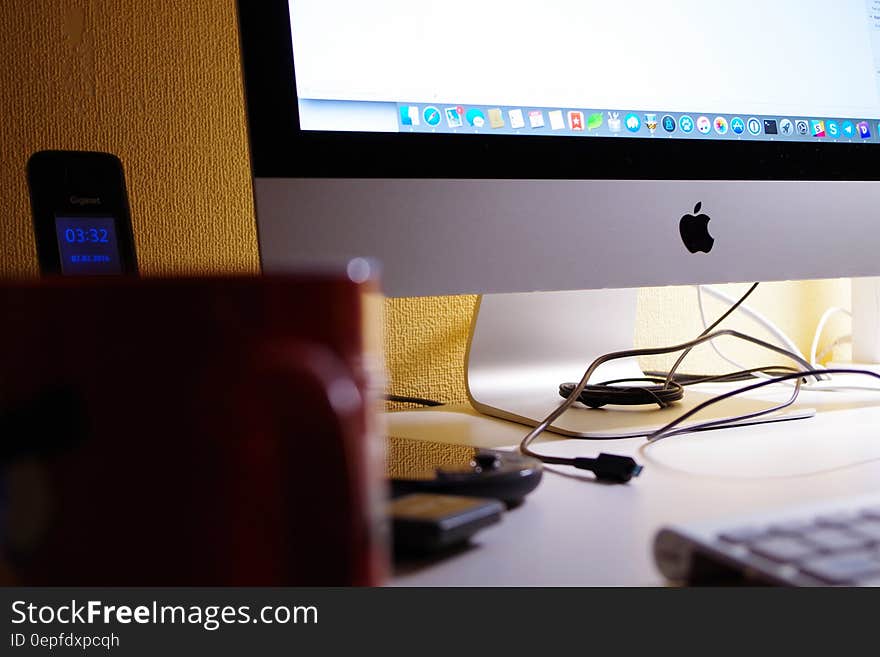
(568, 145)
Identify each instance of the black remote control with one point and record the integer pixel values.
(505, 476)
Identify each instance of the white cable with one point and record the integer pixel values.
(777, 332)
(820, 327)
(705, 322)
(774, 330)
(829, 350)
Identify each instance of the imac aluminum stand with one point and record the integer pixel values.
(522, 346)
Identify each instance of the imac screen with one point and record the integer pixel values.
(791, 70)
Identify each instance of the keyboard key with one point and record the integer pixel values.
(840, 519)
(783, 548)
(869, 529)
(835, 540)
(805, 546)
(872, 512)
(793, 527)
(742, 535)
(846, 568)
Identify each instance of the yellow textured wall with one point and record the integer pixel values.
(158, 82)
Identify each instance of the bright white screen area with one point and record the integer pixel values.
(787, 57)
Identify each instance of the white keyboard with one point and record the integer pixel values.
(834, 543)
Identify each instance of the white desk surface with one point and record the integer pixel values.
(572, 531)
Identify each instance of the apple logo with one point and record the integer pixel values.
(694, 230)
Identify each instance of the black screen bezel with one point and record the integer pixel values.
(280, 150)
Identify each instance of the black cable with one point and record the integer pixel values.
(611, 392)
(402, 399)
(798, 376)
(711, 328)
(690, 379)
(728, 377)
(621, 469)
(665, 391)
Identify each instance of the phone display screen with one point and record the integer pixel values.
(88, 246)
